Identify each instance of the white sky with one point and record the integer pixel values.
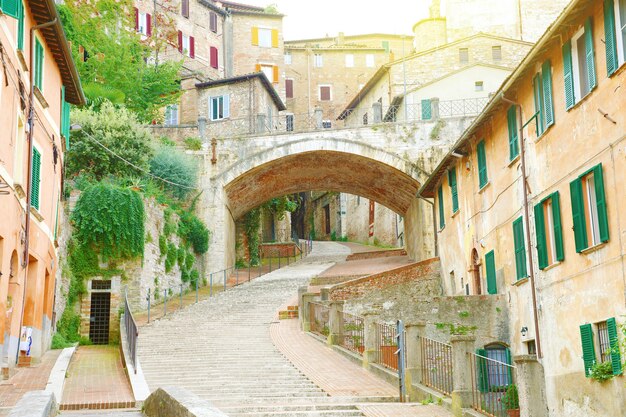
(313, 19)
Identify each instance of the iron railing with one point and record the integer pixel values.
(176, 296)
(436, 365)
(131, 332)
(319, 316)
(493, 387)
(353, 334)
(387, 345)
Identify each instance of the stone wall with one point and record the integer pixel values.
(422, 271)
(274, 250)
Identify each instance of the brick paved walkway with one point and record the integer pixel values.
(339, 376)
(96, 380)
(26, 379)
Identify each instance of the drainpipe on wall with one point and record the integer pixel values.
(31, 128)
(527, 221)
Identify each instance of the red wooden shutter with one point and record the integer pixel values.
(192, 47)
(213, 21)
(180, 41)
(214, 59)
(136, 18)
(289, 88)
(325, 93)
(149, 25)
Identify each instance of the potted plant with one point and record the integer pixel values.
(510, 400)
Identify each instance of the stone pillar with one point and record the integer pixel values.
(377, 111)
(462, 373)
(319, 117)
(335, 323)
(303, 310)
(531, 386)
(370, 343)
(434, 108)
(414, 362)
(260, 123)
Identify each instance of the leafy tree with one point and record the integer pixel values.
(118, 130)
(176, 167)
(114, 61)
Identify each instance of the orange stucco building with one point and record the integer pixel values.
(33, 52)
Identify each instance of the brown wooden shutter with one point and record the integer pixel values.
(180, 41)
(289, 88)
(136, 18)
(213, 21)
(192, 47)
(214, 59)
(325, 93)
(149, 25)
(185, 8)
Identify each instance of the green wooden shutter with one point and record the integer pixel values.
(35, 179)
(603, 222)
(11, 8)
(589, 54)
(39, 56)
(513, 136)
(578, 214)
(509, 361)
(610, 41)
(568, 75)
(558, 229)
(453, 189)
(490, 267)
(540, 228)
(589, 351)
(520, 249)
(482, 164)
(616, 358)
(548, 106)
(481, 370)
(537, 90)
(427, 113)
(20, 25)
(442, 220)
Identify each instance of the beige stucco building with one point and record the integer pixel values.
(552, 245)
(31, 166)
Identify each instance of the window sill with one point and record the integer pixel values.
(513, 161)
(41, 98)
(441, 229)
(552, 266)
(593, 248)
(619, 70)
(582, 100)
(22, 59)
(36, 213)
(544, 133)
(481, 189)
(521, 282)
(455, 213)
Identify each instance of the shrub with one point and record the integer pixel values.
(172, 254)
(510, 399)
(194, 276)
(119, 131)
(163, 245)
(193, 144)
(181, 256)
(177, 168)
(193, 230)
(189, 261)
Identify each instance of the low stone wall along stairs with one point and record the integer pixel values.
(221, 350)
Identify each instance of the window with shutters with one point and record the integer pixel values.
(615, 34)
(318, 61)
(370, 61)
(185, 44)
(184, 8)
(496, 53)
(289, 87)
(479, 86)
(143, 23)
(171, 115)
(288, 58)
(481, 158)
(426, 107)
(549, 231)
(521, 267)
(325, 93)
(511, 117)
(10, 8)
(542, 88)
(265, 37)
(453, 190)
(289, 122)
(589, 211)
(463, 55)
(270, 72)
(579, 65)
(492, 374)
(35, 179)
(327, 124)
(442, 219)
(349, 60)
(365, 119)
(602, 338)
(219, 107)
(39, 64)
(214, 57)
(213, 22)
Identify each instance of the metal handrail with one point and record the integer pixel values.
(437, 365)
(132, 333)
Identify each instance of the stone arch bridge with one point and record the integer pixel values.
(386, 163)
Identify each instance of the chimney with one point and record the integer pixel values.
(340, 38)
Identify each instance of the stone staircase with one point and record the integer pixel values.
(221, 350)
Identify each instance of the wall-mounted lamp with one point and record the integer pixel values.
(524, 331)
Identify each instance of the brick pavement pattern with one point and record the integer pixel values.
(26, 379)
(96, 380)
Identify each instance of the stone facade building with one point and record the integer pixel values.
(31, 166)
(551, 243)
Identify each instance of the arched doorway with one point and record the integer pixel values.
(475, 271)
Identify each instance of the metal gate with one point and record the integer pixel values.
(99, 318)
